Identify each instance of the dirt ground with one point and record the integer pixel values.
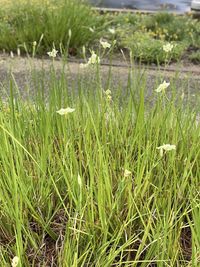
(185, 77)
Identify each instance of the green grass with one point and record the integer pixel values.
(64, 197)
(48, 24)
(195, 57)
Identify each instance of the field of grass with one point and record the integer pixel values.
(92, 174)
(96, 186)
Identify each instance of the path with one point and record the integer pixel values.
(186, 78)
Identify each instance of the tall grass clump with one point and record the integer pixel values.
(92, 184)
(47, 23)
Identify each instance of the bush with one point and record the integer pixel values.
(149, 50)
(173, 28)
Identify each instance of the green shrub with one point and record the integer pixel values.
(173, 28)
(163, 26)
(149, 50)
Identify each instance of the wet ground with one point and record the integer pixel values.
(159, 5)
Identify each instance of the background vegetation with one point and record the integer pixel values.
(145, 35)
(49, 23)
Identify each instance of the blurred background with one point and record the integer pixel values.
(169, 5)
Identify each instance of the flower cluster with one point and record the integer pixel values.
(168, 47)
(166, 147)
(65, 111)
(105, 44)
(53, 53)
(93, 60)
(162, 87)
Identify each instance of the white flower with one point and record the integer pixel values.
(15, 261)
(111, 30)
(108, 92)
(162, 87)
(109, 97)
(94, 59)
(53, 53)
(34, 43)
(105, 44)
(168, 47)
(127, 173)
(166, 147)
(65, 111)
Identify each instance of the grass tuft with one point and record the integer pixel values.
(90, 188)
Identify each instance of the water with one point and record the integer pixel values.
(154, 5)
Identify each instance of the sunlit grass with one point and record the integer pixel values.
(90, 187)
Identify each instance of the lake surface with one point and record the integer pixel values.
(159, 5)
